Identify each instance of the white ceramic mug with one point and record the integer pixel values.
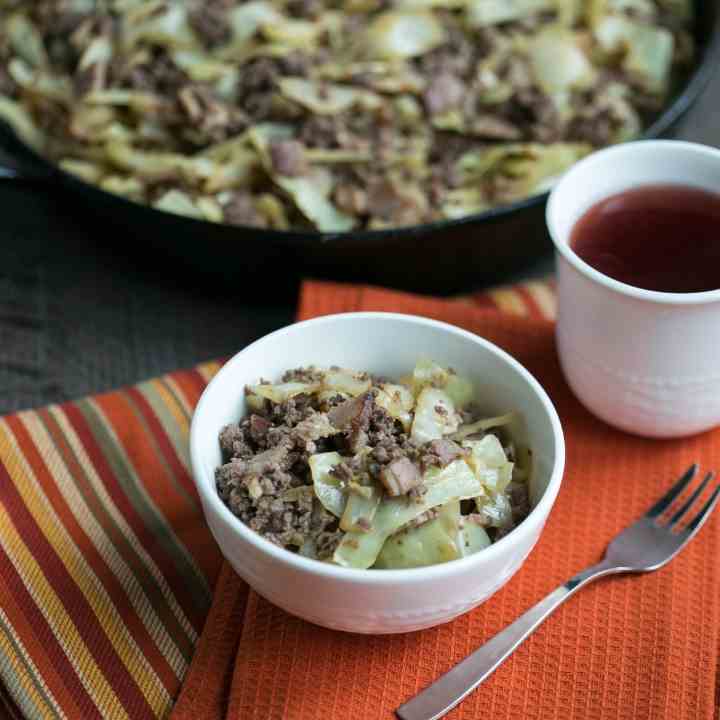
(644, 361)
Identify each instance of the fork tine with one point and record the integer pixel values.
(703, 515)
(667, 499)
(696, 494)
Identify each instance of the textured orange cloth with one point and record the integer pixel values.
(633, 647)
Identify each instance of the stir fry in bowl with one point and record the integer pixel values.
(364, 472)
(327, 115)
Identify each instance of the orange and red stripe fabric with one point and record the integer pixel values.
(106, 567)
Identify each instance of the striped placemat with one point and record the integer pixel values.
(106, 566)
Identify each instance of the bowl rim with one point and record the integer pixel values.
(211, 501)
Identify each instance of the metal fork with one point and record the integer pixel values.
(646, 545)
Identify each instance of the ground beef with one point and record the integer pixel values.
(384, 430)
(258, 428)
(240, 210)
(343, 472)
(7, 84)
(260, 74)
(535, 113)
(91, 79)
(292, 411)
(597, 129)
(258, 502)
(305, 8)
(210, 22)
(351, 198)
(519, 500)
(326, 542)
(159, 75)
(235, 443)
(439, 453)
(323, 131)
(306, 375)
(388, 201)
(458, 56)
(288, 158)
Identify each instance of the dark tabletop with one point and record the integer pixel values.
(78, 316)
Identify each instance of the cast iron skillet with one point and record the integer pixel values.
(441, 257)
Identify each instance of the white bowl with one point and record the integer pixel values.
(377, 601)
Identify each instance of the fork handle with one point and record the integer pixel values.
(446, 692)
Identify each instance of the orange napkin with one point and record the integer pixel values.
(633, 647)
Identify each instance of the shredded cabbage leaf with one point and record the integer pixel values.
(362, 504)
(558, 62)
(398, 401)
(346, 382)
(282, 391)
(435, 416)
(472, 538)
(328, 489)
(454, 482)
(482, 425)
(481, 13)
(435, 541)
(403, 34)
(489, 463)
(326, 98)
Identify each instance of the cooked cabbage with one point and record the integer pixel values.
(495, 510)
(481, 13)
(488, 461)
(473, 537)
(398, 401)
(326, 98)
(454, 482)
(435, 541)
(21, 122)
(483, 425)
(282, 391)
(435, 416)
(403, 34)
(429, 374)
(346, 382)
(309, 193)
(558, 62)
(362, 504)
(328, 489)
